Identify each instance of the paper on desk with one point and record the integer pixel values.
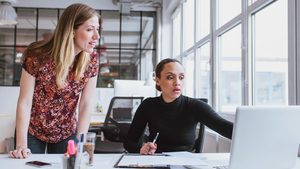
(186, 154)
(128, 160)
(211, 164)
(169, 160)
(148, 160)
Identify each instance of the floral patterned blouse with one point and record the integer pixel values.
(53, 112)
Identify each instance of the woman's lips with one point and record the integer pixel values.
(92, 44)
(176, 91)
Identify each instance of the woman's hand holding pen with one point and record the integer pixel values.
(150, 148)
(20, 152)
(145, 149)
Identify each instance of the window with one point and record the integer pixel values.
(176, 34)
(6, 55)
(230, 69)
(228, 10)
(125, 40)
(246, 51)
(6, 66)
(204, 72)
(47, 22)
(189, 74)
(270, 55)
(188, 24)
(203, 19)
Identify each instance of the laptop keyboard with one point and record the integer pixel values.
(221, 167)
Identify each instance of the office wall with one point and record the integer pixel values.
(8, 104)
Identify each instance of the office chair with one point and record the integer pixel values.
(200, 140)
(116, 125)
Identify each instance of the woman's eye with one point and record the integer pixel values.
(182, 77)
(169, 77)
(90, 29)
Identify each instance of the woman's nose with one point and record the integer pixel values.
(177, 82)
(96, 35)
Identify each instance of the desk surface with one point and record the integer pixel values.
(97, 119)
(100, 160)
(5, 115)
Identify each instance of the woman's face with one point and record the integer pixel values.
(86, 36)
(171, 81)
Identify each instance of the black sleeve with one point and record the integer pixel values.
(136, 129)
(212, 120)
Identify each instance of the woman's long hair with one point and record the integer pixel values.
(61, 44)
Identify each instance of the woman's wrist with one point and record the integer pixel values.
(20, 147)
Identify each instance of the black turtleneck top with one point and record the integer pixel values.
(176, 123)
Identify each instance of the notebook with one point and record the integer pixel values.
(265, 137)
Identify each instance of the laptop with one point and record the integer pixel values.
(265, 137)
(122, 114)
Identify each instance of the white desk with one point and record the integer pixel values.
(105, 161)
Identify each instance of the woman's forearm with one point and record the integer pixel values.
(85, 106)
(84, 117)
(27, 84)
(22, 123)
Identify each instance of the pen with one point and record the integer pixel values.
(79, 151)
(154, 140)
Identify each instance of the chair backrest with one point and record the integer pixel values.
(200, 140)
(118, 118)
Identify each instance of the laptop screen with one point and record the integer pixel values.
(265, 137)
(122, 114)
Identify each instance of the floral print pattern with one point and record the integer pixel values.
(53, 112)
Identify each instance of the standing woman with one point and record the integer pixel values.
(54, 73)
(173, 115)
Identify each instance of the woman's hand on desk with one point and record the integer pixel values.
(20, 152)
(145, 150)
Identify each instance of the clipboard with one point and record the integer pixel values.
(119, 163)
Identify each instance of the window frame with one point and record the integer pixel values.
(244, 18)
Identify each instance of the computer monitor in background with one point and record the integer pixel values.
(133, 88)
(129, 88)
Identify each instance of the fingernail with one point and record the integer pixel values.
(155, 144)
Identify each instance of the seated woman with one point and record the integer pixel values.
(173, 115)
